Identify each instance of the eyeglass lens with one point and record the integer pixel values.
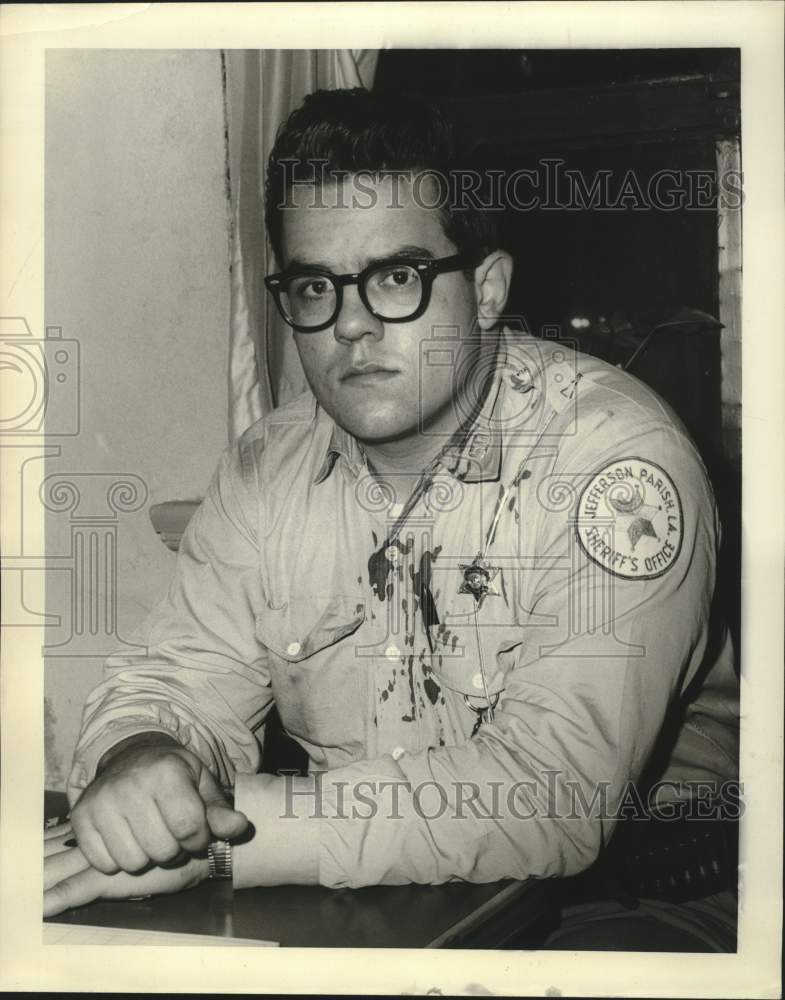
(393, 291)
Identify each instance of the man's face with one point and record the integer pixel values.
(391, 403)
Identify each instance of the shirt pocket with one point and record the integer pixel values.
(318, 687)
(303, 627)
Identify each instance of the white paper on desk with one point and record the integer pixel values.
(73, 934)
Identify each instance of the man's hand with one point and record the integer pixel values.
(70, 880)
(151, 802)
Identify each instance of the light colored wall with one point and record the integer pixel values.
(730, 270)
(137, 270)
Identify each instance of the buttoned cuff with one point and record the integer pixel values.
(284, 849)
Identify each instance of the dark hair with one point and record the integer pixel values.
(356, 132)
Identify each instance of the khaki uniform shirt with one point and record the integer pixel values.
(585, 512)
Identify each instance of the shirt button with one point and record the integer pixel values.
(293, 648)
(397, 753)
(477, 682)
(392, 652)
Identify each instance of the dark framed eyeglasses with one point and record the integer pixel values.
(395, 290)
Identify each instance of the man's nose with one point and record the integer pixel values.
(354, 320)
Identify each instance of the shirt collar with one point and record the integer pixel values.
(341, 443)
(477, 456)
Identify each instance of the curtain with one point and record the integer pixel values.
(261, 87)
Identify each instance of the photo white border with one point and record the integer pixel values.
(757, 28)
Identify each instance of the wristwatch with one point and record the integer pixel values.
(219, 859)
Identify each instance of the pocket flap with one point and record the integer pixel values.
(302, 627)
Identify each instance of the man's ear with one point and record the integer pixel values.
(492, 286)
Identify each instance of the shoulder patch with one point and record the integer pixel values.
(629, 519)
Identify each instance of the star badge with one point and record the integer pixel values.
(478, 579)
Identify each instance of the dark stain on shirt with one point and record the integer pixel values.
(380, 566)
(408, 627)
(412, 695)
(432, 689)
(421, 583)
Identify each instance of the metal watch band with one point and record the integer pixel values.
(219, 859)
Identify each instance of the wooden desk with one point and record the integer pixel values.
(455, 915)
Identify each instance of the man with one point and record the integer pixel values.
(472, 570)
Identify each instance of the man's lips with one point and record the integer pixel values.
(368, 374)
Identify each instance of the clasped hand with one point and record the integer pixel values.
(141, 828)
(70, 880)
